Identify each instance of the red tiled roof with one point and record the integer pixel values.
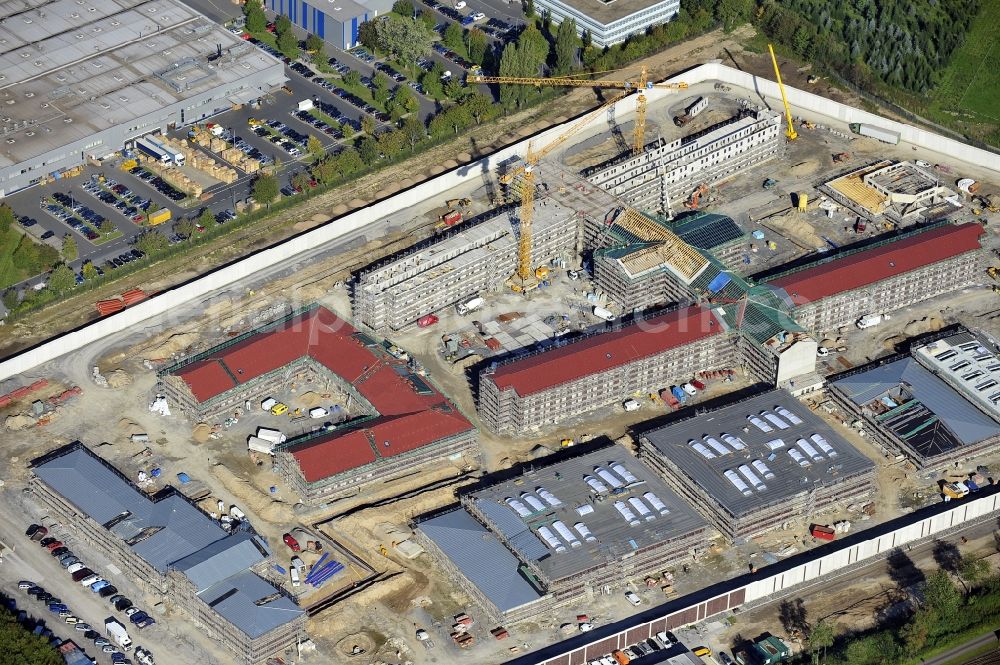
(873, 265)
(606, 351)
(407, 418)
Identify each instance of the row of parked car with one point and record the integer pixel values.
(119, 197)
(73, 212)
(347, 96)
(283, 136)
(85, 577)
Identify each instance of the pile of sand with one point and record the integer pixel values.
(363, 641)
(310, 399)
(794, 226)
(805, 168)
(118, 379)
(174, 344)
(18, 422)
(277, 512)
(201, 432)
(129, 427)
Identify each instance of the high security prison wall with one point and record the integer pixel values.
(174, 299)
(716, 600)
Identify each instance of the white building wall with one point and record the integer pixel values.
(608, 34)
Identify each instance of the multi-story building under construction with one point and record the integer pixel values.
(666, 172)
(477, 256)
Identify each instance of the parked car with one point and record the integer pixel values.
(291, 542)
(32, 529)
(632, 598)
(107, 591)
(25, 584)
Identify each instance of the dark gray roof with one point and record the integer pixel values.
(613, 537)
(222, 559)
(481, 558)
(968, 424)
(160, 532)
(674, 442)
(236, 598)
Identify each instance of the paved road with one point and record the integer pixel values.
(971, 645)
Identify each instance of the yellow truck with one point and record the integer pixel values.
(158, 217)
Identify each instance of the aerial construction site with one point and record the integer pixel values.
(630, 354)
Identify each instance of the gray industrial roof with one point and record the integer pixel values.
(610, 536)
(72, 68)
(172, 534)
(481, 558)
(609, 12)
(161, 532)
(770, 457)
(222, 559)
(251, 604)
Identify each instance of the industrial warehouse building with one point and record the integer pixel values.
(558, 533)
(336, 21)
(759, 463)
(401, 421)
(665, 173)
(936, 405)
(81, 78)
(173, 551)
(473, 258)
(883, 276)
(610, 23)
(583, 374)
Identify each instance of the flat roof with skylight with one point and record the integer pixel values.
(757, 453)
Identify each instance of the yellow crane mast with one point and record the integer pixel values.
(640, 84)
(790, 132)
(524, 279)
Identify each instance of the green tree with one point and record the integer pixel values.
(391, 144)
(454, 88)
(315, 43)
(352, 78)
(821, 638)
(288, 44)
(428, 20)
(256, 19)
(206, 218)
(941, 595)
(529, 8)
(368, 124)
(184, 228)
(349, 161)
(368, 35)
(300, 181)
(480, 107)
(403, 8)
(402, 102)
(282, 25)
(565, 46)
(916, 631)
(414, 130)
(315, 147)
(587, 39)
(404, 39)
(23, 647)
(431, 82)
(152, 243)
(10, 299)
(535, 48)
(89, 271)
(62, 278)
(382, 85)
(476, 43)
(347, 129)
(974, 571)
(6, 218)
(107, 227)
(265, 189)
(453, 37)
(69, 248)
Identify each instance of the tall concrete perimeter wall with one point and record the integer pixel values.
(190, 292)
(795, 579)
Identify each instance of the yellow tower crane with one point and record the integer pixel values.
(524, 279)
(790, 132)
(641, 84)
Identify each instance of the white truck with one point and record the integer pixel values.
(469, 306)
(868, 321)
(602, 313)
(877, 133)
(305, 105)
(273, 435)
(117, 633)
(260, 445)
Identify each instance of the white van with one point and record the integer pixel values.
(294, 573)
(603, 313)
(631, 405)
(267, 404)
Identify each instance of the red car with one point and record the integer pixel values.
(429, 320)
(697, 384)
(291, 542)
(52, 546)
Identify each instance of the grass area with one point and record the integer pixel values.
(969, 655)
(968, 97)
(117, 233)
(361, 90)
(319, 115)
(266, 37)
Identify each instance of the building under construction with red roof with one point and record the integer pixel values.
(405, 423)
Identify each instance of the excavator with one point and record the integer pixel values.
(695, 199)
(993, 272)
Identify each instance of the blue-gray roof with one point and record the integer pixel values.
(514, 530)
(222, 559)
(236, 598)
(481, 558)
(969, 424)
(161, 532)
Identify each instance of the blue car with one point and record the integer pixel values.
(100, 584)
(56, 608)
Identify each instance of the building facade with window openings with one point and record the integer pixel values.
(936, 405)
(759, 463)
(83, 79)
(610, 22)
(884, 276)
(475, 257)
(665, 173)
(336, 21)
(174, 552)
(530, 392)
(560, 533)
(399, 422)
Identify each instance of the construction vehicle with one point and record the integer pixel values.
(770, 183)
(993, 271)
(695, 199)
(841, 157)
(629, 86)
(458, 203)
(541, 273)
(996, 289)
(807, 124)
(790, 133)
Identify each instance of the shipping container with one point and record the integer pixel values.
(158, 217)
(871, 131)
(822, 532)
